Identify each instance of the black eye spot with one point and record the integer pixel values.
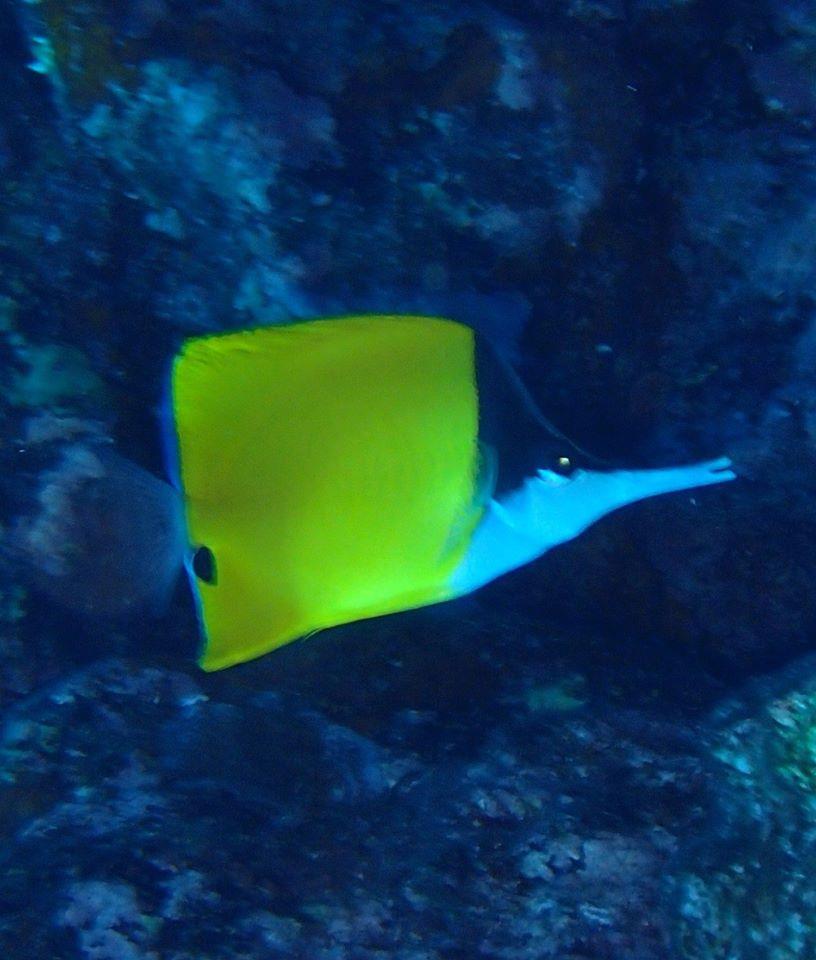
(204, 565)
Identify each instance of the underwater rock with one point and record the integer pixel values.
(748, 879)
(523, 841)
(624, 193)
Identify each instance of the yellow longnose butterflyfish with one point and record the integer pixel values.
(331, 471)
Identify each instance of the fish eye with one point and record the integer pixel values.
(204, 565)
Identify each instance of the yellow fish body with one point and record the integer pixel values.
(331, 471)
(331, 468)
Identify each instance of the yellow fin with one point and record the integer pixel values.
(325, 465)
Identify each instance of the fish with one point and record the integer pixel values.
(106, 538)
(331, 470)
(319, 473)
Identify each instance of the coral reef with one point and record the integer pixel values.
(620, 195)
(748, 888)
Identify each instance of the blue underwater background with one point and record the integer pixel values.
(609, 755)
